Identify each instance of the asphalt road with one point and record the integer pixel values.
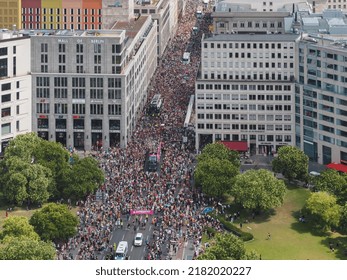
(125, 234)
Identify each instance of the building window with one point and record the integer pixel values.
(6, 98)
(6, 112)
(3, 67)
(5, 128)
(114, 109)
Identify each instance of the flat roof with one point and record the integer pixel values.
(254, 37)
(131, 27)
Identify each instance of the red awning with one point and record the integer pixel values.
(240, 146)
(338, 167)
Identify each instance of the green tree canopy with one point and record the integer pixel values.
(343, 218)
(26, 248)
(332, 182)
(226, 246)
(215, 176)
(258, 190)
(83, 178)
(219, 151)
(291, 162)
(54, 222)
(34, 169)
(18, 227)
(24, 182)
(322, 210)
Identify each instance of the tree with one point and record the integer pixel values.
(83, 178)
(226, 246)
(23, 146)
(215, 176)
(258, 190)
(343, 218)
(48, 172)
(291, 162)
(18, 227)
(332, 182)
(54, 222)
(219, 151)
(322, 210)
(25, 182)
(26, 248)
(55, 157)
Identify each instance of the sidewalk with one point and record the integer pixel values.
(185, 252)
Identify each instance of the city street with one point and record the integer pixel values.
(175, 228)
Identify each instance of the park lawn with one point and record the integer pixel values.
(290, 239)
(18, 211)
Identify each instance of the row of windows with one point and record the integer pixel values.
(78, 124)
(251, 107)
(250, 24)
(250, 127)
(77, 82)
(254, 55)
(95, 109)
(116, 48)
(245, 117)
(260, 117)
(249, 45)
(78, 93)
(241, 76)
(225, 96)
(57, 19)
(224, 64)
(244, 87)
(60, 26)
(58, 10)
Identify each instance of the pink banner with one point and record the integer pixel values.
(141, 212)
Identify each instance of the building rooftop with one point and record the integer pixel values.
(254, 37)
(131, 27)
(73, 33)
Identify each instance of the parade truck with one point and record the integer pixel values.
(154, 158)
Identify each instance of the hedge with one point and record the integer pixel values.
(245, 236)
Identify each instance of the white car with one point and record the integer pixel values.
(138, 240)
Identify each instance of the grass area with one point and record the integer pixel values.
(290, 239)
(19, 211)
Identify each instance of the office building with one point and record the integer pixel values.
(10, 14)
(15, 86)
(90, 86)
(321, 99)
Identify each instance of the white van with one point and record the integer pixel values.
(186, 58)
(122, 251)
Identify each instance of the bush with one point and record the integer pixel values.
(244, 236)
(211, 231)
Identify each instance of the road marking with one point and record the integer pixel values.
(123, 236)
(144, 249)
(150, 227)
(132, 247)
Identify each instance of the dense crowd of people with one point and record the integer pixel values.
(169, 193)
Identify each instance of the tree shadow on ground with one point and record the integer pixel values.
(248, 216)
(337, 246)
(307, 226)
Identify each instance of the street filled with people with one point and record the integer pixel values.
(177, 206)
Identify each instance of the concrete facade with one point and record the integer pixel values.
(245, 90)
(15, 86)
(89, 86)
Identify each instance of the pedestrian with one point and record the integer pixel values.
(240, 225)
(268, 236)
